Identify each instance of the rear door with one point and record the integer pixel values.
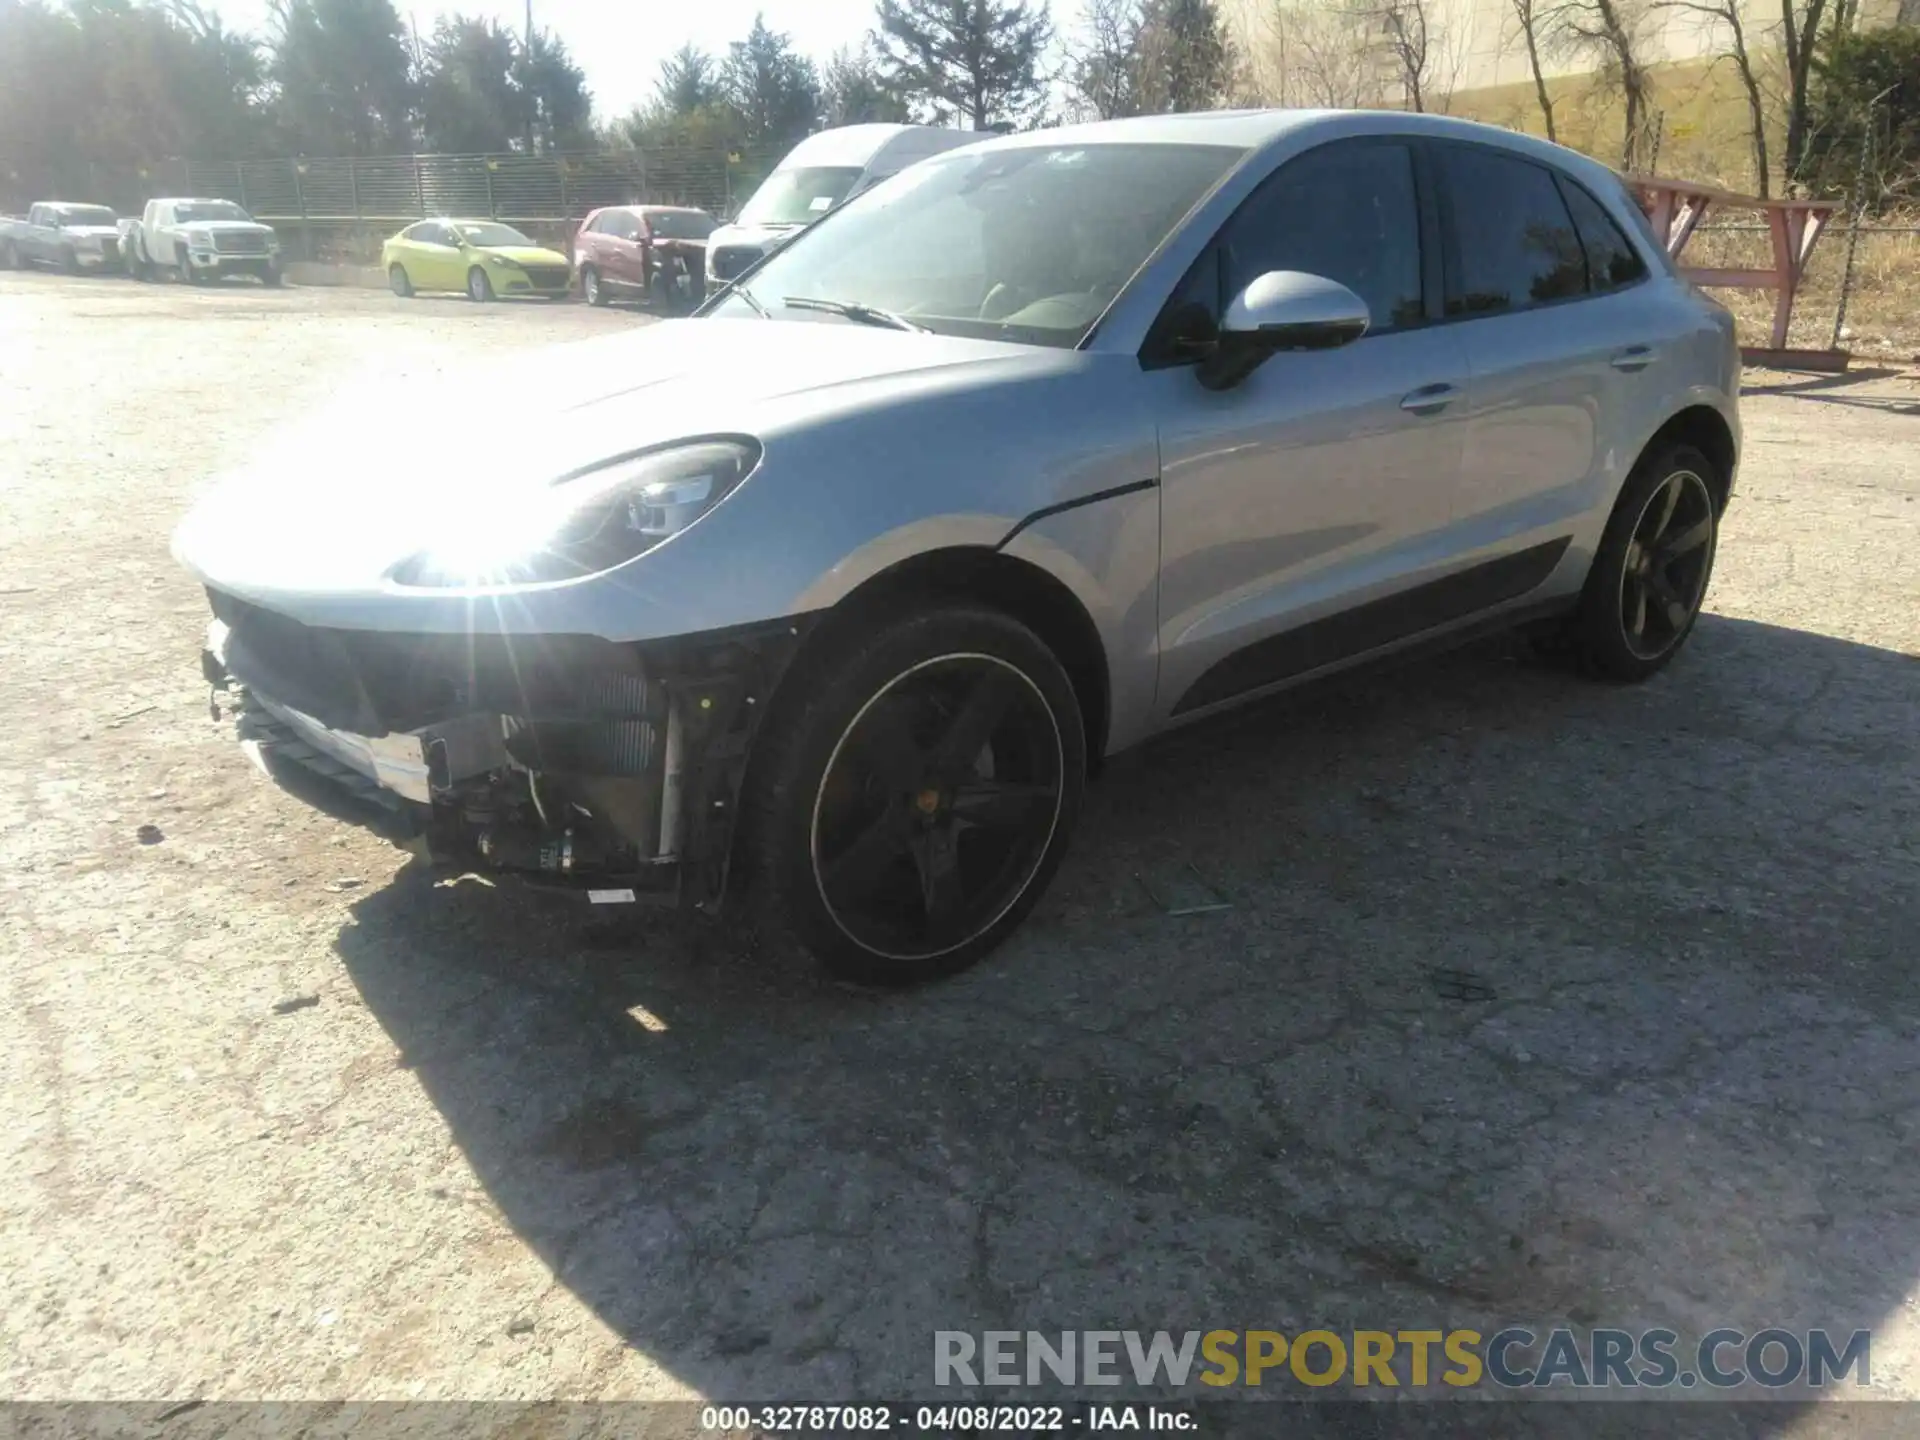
(1560, 337)
(41, 240)
(442, 267)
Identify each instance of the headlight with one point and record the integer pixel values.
(503, 262)
(200, 239)
(589, 522)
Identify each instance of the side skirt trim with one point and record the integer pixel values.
(1378, 623)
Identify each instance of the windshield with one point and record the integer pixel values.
(798, 197)
(1028, 244)
(489, 233)
(680, 224)
(209, 210)
(84, 215)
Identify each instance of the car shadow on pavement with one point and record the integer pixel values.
(1538, 1001)
(1855, 389)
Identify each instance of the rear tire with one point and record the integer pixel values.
(9, 257)
(1650, 574)
(70, 261)
(590, 286)
(479, 287)
(398, 282)
(908, 807)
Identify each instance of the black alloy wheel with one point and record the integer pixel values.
(1665, 574)
(937, 806)
(908, 812)
(1649, 579)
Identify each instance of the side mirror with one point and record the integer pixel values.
(1282, 310)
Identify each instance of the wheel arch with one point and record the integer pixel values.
(1707, 430)
(979, 575)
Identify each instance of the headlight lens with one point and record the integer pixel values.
(503, 262)
(587, 523)
(200, 239)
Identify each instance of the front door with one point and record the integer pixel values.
(625, 249)
(1303, 509)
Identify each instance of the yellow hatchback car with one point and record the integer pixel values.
(482, 257)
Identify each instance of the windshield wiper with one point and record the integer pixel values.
(862, 314)
(734, 287)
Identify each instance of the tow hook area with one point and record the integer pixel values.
(622, 783)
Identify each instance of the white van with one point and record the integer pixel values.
(819, 173)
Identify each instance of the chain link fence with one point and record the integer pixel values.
(376, 190)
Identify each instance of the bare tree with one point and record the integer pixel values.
(1800, 36)
(1608, 32)
(1319, 56)
(1726, 16)
(1535, 17)
(1405, 32)
(1102, 68)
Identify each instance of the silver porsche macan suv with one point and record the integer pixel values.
(835, 592)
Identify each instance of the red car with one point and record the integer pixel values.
(656, 253)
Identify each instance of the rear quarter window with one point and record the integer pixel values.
(1612, 262)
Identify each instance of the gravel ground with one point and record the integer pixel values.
(279, 1121)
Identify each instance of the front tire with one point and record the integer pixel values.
(398, 282)
(479, 288)
(590, 286)
(1649, 576)
(908, 809)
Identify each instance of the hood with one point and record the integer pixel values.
(335, 502)
(760, 237)
(526, 254)
(228, 226)
(91, 232)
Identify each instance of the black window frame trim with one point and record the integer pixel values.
(1426, 205)
(1568, 183)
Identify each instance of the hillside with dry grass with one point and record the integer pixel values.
(1700, 120)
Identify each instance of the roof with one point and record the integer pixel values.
(1252, 130)
(647, 208)
(861, 145)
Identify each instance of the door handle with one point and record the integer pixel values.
(1429, 399)
(1633, 358)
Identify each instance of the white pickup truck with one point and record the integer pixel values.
(68, 237)
(199, 241)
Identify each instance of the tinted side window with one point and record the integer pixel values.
(1611, 261)
(1516, 242)
(1347, 212)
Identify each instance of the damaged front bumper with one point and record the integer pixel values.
(610, 769)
